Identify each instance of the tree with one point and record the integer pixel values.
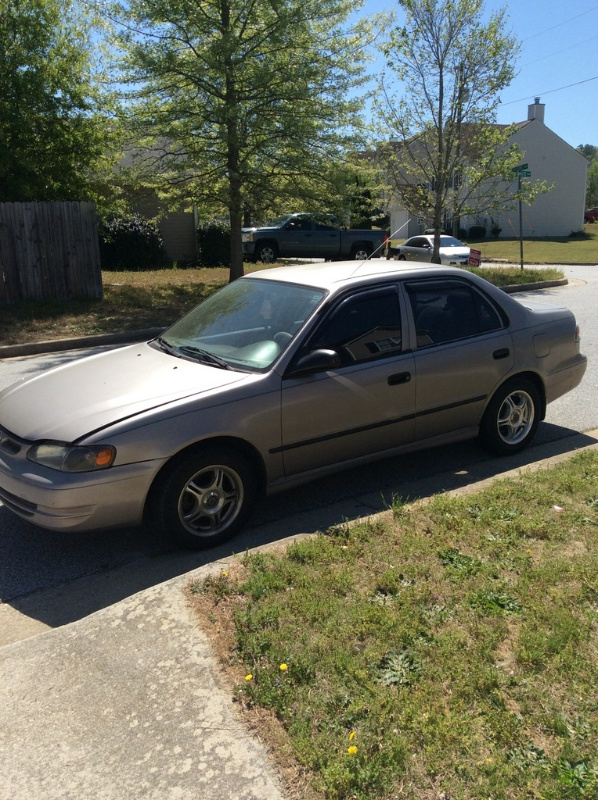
(52, 140)
(590, 151)
(239, 103)
(592, 185)
(446, 156)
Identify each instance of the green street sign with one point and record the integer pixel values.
(521, 168)
(525, 174)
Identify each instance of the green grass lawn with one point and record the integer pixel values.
(582, 249)
(447, 649)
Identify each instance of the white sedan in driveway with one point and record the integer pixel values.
(453, 253)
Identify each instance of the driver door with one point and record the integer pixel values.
(364, 406)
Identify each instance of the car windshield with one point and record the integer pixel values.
(246, 325)
(450, 241)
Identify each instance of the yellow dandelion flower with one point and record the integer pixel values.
(351, 736)
(352, 750)
(224, 573)
(248, 677)
(283, 668)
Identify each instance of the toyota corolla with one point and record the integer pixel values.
(278, 378)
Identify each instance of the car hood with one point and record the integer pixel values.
(70, 401)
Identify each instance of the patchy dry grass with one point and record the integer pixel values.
(446, 650)
(132, 301)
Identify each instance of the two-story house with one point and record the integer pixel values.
(549, 158)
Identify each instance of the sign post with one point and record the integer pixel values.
(522, 171)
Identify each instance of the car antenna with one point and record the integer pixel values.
(392, 235)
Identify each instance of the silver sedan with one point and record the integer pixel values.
(278, 378)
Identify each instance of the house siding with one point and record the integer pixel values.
(560, 211)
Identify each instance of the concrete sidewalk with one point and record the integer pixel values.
(126, 704)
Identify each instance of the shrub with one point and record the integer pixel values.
(461, 232)
(477, 232)
(131, 243)
(213, 244)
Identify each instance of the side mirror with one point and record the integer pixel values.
(316, 361)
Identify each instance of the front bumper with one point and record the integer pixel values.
(110, 498)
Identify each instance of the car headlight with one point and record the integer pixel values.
(73, 458)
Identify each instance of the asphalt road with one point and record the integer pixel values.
(32, 560)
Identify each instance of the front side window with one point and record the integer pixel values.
(363, 327)
(445, 311)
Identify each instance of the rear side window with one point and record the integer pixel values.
(363, 327)
(445, 311)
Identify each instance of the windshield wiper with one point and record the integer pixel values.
(205, 356)
(166, 346)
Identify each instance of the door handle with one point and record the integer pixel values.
(399, 377)
(502, 353)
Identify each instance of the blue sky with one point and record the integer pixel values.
(558, 63)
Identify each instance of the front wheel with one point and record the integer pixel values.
(512, 417)
(205, 497)
(402, 258)
(266, 253)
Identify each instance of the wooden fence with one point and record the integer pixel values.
(49, 251)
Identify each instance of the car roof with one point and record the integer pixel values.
(333, 275)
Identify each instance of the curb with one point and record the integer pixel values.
(36, 348)
(529, 287)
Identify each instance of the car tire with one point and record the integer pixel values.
(266, 253)
(512, 417)
(360, 253)
(204, 497)
(401, 257)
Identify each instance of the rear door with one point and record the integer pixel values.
(364, 406)
(464, 350)
(327, 239)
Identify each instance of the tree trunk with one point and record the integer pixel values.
(236, 246)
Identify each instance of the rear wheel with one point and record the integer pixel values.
(266, 253)
(360, 252)
(205, 497)
(512, 417)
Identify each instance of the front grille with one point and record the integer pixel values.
(17, 504)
